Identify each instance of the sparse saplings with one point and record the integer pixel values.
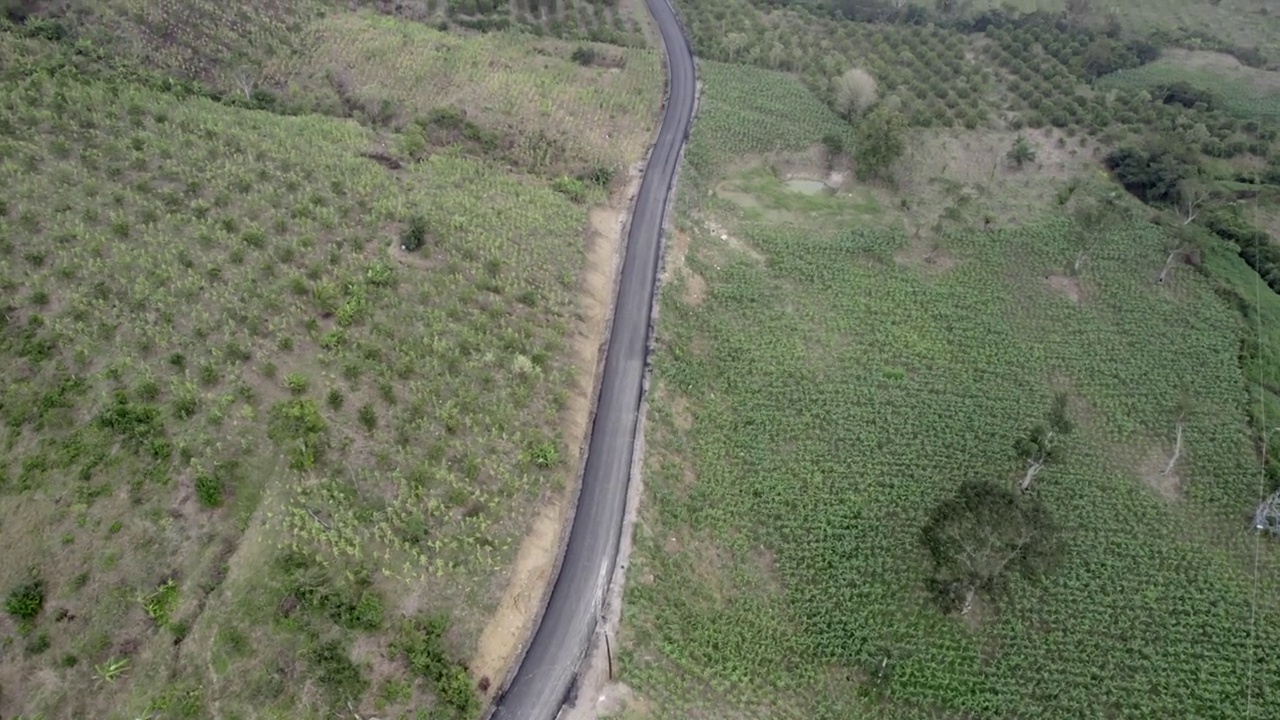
(1022, 152)
(855, 93)
(980, 536)
(882, 138)
(1043, 443)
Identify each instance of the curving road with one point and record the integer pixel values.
(542, 681)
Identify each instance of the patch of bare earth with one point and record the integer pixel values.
(964, 177)
(924, 253)
(734, 243)
(1068, 287)
(694, 286)
(535, 561)
(1160, 474)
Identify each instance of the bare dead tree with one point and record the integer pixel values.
(1168, 263)
(1042, 444)
(246, 79)
(1183, 410)
(1193, 197)
(1091, 218)
(1266, 518)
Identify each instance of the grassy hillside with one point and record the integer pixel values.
(285, 390)
(1245, 92)
(828, 373)
(218, 42)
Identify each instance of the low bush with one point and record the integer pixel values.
(26, 600)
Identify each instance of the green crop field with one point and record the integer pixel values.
(284, 389)
(965, 381)
(825, 377)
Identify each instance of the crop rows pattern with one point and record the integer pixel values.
(817, 404)
(214, 346)
(1030, 76)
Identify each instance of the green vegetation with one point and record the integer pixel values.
(850, 398)
(26, 601)
(1240, 92)
(285, 346)
(882, 138)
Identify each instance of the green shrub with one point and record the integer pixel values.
(209, 490)
(415, 234)
(297, 426)
(297, 383)
(334, 671)
(583, 55)
(421, 643)
(26, 601)
(368, 417)
(598, 175)
(38, 644)
(572, 188)
(545, 454)
(335, 399)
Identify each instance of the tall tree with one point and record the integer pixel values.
(979, 536)
(881, 140)
(855, 92)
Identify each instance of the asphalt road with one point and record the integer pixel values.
(541, 683)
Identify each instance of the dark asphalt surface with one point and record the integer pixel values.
(541, 683)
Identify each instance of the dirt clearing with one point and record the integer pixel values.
(1159, 475)
(925, 254)
(1067, 287)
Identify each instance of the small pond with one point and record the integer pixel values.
(808, 187)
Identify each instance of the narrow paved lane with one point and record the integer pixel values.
(559, 643)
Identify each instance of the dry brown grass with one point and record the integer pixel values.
(969, 170)
(524, 86)
(1265, 81)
